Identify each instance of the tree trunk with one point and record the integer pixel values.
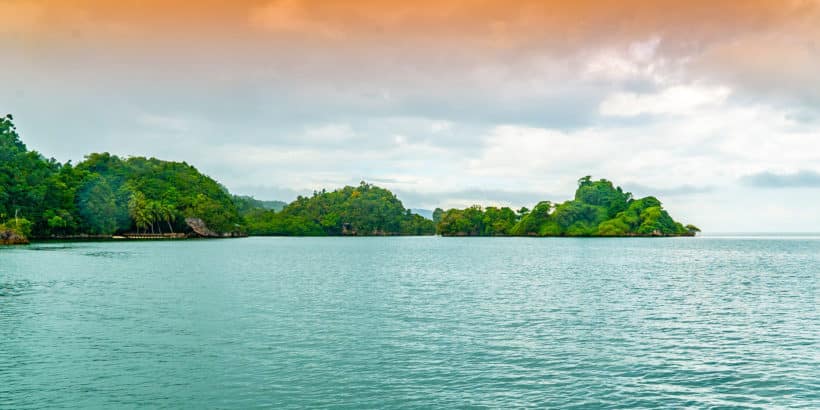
(169, 226)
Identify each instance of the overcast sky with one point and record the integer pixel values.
(713, 108)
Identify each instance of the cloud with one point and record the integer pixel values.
(640, 190)
(799, 179)
(292, 16)
(676, 100)
(475, 196)
(21, 16)
(164, 123)
(447, 102)
(645, 50)
(634, 61)
(776, 65)
(269, 193)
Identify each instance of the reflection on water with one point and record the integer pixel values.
(14, 288)
(50, 248)
(109, 254)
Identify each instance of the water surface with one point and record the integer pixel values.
(412, 322)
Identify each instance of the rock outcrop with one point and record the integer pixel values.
(9, 237)
(200, 228)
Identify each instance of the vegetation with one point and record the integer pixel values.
(475, 221)
(15, 232)
(247, 204)
(599, 209)
(362, 210)
(106, 194)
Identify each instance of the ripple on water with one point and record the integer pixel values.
(15, 288)
(109, 254)
(51, 248)
(412, 323)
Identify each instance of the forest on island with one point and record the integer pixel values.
(598, 209)
(362, 210)
(105, 195)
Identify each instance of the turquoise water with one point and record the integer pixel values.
(412, 322)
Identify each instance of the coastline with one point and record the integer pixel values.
(9, 237)
(689, 234)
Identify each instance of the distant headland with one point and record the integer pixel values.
(106, 196)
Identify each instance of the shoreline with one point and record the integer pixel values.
(90, 238)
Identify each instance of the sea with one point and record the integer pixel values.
(715, 321)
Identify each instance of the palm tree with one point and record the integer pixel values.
(167, 211)
(154, 214)
(137, 210)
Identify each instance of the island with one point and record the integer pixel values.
(106, 196)
(599, 209)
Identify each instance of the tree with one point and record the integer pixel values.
(361, 210)
(598, 209)
(602, 193)
(167, 214)
(97, 206)
(138, 210)
(437, 213)
(105, 193)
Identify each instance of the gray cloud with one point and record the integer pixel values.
(415, 199)
(269, 193)
(276, 116)
(660, 192)
(801, 179)
(478, 196)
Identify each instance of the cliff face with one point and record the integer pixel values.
(199, 228)
(9, 237)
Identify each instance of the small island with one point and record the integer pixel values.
(106, 196)
(599, 209)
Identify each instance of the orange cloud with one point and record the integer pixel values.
(352, 33)
(492, 21)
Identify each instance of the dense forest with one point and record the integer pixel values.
(105, 195)
(362, 210)
(599, 209)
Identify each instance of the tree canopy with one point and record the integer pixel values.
(599, 209)
(105, 194)
(362, 210)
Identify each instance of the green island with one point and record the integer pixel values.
(106, 196)
(599, 209)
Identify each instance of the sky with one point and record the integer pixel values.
(713, 107)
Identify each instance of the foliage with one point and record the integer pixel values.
(247, 204)
(98, 207)
(26, 179)
(20, 226)
(692, 229)
(437, 214)
(362, 210)
(105, 194)
(599, 209)
(602, 193)
(475, 221)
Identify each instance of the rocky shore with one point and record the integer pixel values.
(10, 237)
